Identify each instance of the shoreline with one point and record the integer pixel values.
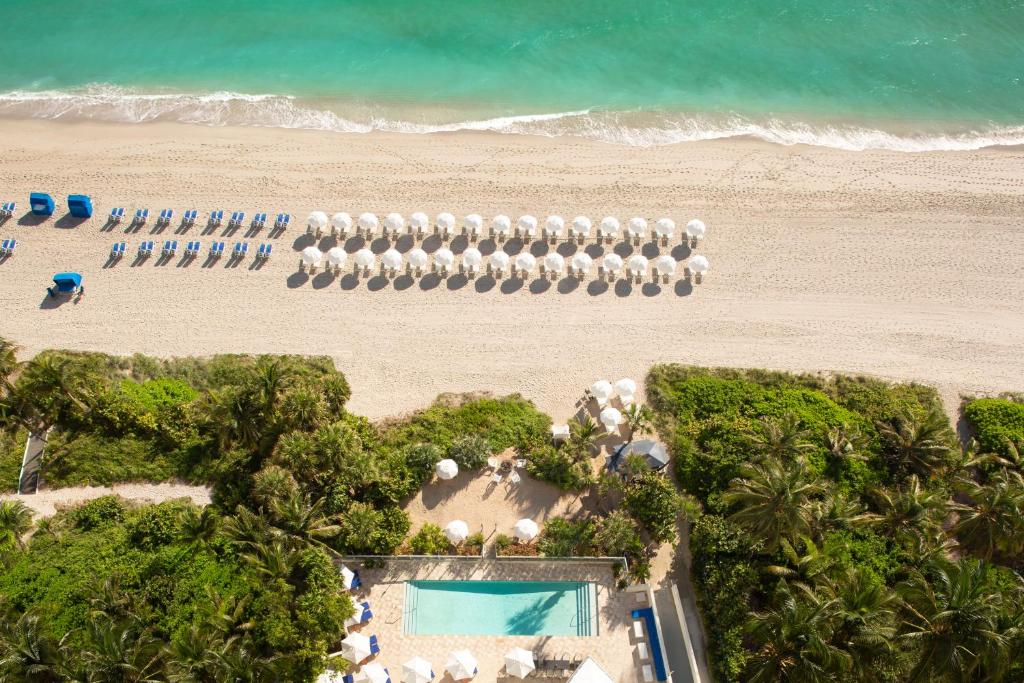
(899, 266)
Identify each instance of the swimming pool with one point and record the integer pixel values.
(500, 608)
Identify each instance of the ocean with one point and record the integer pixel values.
(886, 74)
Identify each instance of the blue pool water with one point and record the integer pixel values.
(500, 608)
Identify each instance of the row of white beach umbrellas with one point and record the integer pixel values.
(525, 530)
(461, 665)
(554, 226)
(444, 258)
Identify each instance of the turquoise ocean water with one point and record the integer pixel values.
(921, 74)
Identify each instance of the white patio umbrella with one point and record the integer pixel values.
(582, 262)
(581, 226)
(637, 227)
(418, 258)
(519, 662)
(501, 224)
(371, 673)
(357, 616)
(696, 229)
(417, 670)
(446, 469)
(456, 531)
(331, 676)
(665, 264)
(474, 224)
(698, 265)
(612, 262)
(317, 220)
(611, 417)
(625, 387)
(355, 648)
(554, 262)
(368, 222)
(525, 530)
(365, 258)
(553, 226)
(444, 258)
(601, 389)
(312, 256)
(665, 227)
(392, 259)
(638, 264)
(461, 665)
(526, 262)
(527, 225)
(342, 222)
(394, 222)
(500, 260)
(446, 222)
(419, 221)
(609, 226)
(336, 256)
(347, 577)
(472, 257)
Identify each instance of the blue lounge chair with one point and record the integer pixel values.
(241, 249)
(282, 221)
(170, 247)
(367, 613)
(259, 220)
(7, 247)
(117, 251)
(190, 217)
(66, 283)
(116, 214)
(237, 217)
(146, 248)
(216, 217)
(263, 253)
(374, 646)
(192, 248)
(165, 216)
(348, 678)
(356, 581)
(8, 209)
(216, 249)
(141, 216)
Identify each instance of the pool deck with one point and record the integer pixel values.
(612, 647)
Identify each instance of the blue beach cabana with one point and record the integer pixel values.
(42, 203)
(80, 205)
(66, 283)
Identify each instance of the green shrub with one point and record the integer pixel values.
(12, 448)
(558, 466)
(430, 540)
(996, 423)
(502, 541)
(654, 502)
(95, 460)
(154, 408)
(367, 530)
(155, 525)
(97, 512)
(565, 538)
(421, 458)
(470, 452)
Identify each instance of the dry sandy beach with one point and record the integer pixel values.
(906, 266)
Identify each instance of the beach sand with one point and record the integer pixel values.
(904, 266)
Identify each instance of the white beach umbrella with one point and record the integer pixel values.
(553, 226)
(696, 229)
(554, 262)
(698, 265)
(347, 577)
(355, 648)
(445, 222)
(519, 662)
(461, 665)
(612, 262)
(526, 262)
(501, 224)
(317, 220)
(418, 258)
(601, 389)
(500, 260)
(610, 226)
(457, 531)
(357, 616)
(527, 225)
(665, 264)
(474, 224)
(368, 222)
(392, 259)
(525, 530)
(444, 258)
(342, 222)
(582, 262)
(446, 469)
(331, 676)
(312, 256)
(611, 417)
(394, 222)
(625, 387)
(365, 258)
(472, 257)
(419, 221)
(665, 227)
(336, 256)
(638, 263)
(371, 673)
(417, 670)
(581, 225)
(637, 227)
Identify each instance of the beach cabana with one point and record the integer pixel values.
(316, 223)
(698, 265)
(472, 260)
(500, 262)
(80, 205)
(418, 260)
(652, 452)
(590, 672)
(626, 389)
(419, 222)
(336, 257)
(525, 530)
(445, 225)
(501, 225)
(554, 226)
(66, 283)
(446, 469)
(525, 263)
(474, 225)
(611, 419)
(394, 224)
(582, 263)
(665, 228)
(554, 263)
(461, 665)
(695, 229)
(602, 391)
(356, 647)
(580, 227)
(341, 224)
(456, 531)
(368, 223)
(311, 257)
(372, 673)
(637, 266)
(519, 662)
(365, 260)
(665, 266)
(612, 264)
(526, 227)
(392, 260)
(41, 204)
(636, 228)
(609, 228)
(444, 259)
(417, 670)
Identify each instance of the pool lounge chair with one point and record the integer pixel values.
(282, 221)
(240, 250)
(514, 478)
(141, 216)
(170, 247)
(217, 249)
(117, 251)
(496, 477)
(237, 217)
(374, 646)
(146, 248)
(8, 209)
(165, 216)
(263, 253)
(216, 217)
(190, 217)
(367, 613)
(192, 248)
(7, 247)
(259, 220)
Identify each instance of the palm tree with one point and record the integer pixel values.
(189, 657)
(51, 387)
(304, 522)
(952, 616)
(199, 526)
(839, 510)
(780, 439)
(806, 569)
(121, 653)
(793, 640)
(236, 662)
(616, 533)
(245, 527)
(26, 653)
(920, 445)
(583, 434)
(273, 560)
(234, 415)
(845, 443)
(638, 420)
(8, 364)
(15, 522)
(993, 523)
(302, 409)
(866, 622)
(1012, 459)
(773, 501)
(911, 510)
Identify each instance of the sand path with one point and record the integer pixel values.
(46, 502)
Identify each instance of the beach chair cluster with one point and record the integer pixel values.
(7, 209)
(7, 247)
(192, 249)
